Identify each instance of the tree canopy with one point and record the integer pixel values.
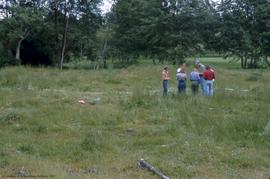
(49, 32)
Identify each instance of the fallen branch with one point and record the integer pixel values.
(143, 164)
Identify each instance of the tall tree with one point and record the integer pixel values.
(166, 29)
(23, 20)
(244, 32)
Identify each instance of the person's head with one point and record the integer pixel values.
(166, 67)
(182, 70)
(195, 70)
(207, 67)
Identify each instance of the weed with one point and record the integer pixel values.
(3, 159)
(9, 116)
(26, 148)
(93, 142)
(185, 136)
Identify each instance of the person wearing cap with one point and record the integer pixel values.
(181, 78)
(194, 78)
(209, 76)
(165, 78)
(201, 68)
(183, 66)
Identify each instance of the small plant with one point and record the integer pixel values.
(9, 116)
(93, 143)
(3, 160)
(26, 148)
(40, 128)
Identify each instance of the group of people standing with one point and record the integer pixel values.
(202, 77)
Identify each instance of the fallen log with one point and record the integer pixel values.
(143, 164)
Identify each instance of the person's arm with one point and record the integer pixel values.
(204, 74)
(167, 76)
(198, 77)
(177, 76)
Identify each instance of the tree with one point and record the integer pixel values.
(63, 27)
(244, 32)
(167, 29)
(24, 20)
(82, 18)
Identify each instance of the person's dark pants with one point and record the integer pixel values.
(165, 87)
(194, 87)
(181, 86)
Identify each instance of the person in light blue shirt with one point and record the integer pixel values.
(194, 78)
(181, 78)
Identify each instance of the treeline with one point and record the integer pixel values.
(52, 32)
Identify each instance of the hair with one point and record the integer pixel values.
(207, 67)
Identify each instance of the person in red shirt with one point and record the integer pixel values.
(165, 78)
(209, 77)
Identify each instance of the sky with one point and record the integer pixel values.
(106, 6)
(108, 3)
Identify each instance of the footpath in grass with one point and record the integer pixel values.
(44, 131)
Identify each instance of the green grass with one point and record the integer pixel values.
(44, 129)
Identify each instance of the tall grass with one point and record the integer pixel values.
(44, 129)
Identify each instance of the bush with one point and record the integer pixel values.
(81, 64)
(262, 64)
(8, 61)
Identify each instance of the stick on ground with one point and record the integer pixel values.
(143, 164)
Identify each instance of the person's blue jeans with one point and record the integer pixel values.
(181, 86)
(165, 87)
(202, 85)
(209, 88)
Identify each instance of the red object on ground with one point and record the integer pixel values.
(81, 101)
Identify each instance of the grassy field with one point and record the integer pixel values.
(45, 131)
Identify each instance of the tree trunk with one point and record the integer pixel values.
(18, 50)
(56, 55)
(81, 49)
(245, 62)
(103, 53)
(64, 43)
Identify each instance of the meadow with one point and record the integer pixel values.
(44, 131)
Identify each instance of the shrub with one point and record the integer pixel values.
(8, 61)
(9, 116)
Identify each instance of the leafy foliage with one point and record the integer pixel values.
(56, 32)
(244, 31)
